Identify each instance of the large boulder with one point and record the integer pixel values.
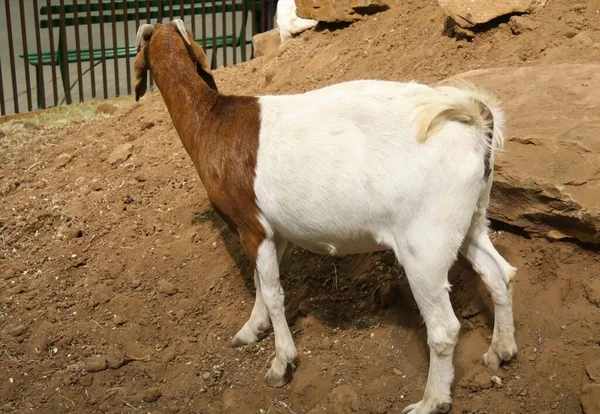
(266, 43)
(547, 181)
(337, 11)
(468, 13)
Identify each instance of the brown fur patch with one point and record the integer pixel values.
(220, 133)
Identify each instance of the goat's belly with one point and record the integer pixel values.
(337, 248)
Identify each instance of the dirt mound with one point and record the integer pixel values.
(120, 288)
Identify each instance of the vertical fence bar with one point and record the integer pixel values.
(41, 92)
(233, 31)
(170, 10)
(115, 51)
(224, 31)
(52, 57)
(161, 9)
(263, 16)
(253, 27)
(127, 57)
(13, 72)
(64, 61)
(182, 11)
(245, 28)
(78, 47)
(91, 47)
(2, 106)
(149, 21)
(193, 17)
(25, 53)
(103, 48)
(204, 25)
(214, 35)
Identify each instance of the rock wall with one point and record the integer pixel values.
(337, 11)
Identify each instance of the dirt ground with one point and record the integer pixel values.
(120, 288)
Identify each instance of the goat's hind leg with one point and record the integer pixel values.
(427, 261)
(498, 275)
(255, 329)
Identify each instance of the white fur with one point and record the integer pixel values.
(288, 22)
(341, 170)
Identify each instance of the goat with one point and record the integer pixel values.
(355, 167)
(288, 22)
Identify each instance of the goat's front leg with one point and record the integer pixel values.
(256, 327)
(267, 265)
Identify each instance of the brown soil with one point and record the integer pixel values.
(120, 288)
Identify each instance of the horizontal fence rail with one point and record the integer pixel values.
(58, 52)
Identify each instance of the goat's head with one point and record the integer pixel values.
(168, 41)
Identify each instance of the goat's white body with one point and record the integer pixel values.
(288, 22)
(343, 171)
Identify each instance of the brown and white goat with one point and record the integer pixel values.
(351, 168)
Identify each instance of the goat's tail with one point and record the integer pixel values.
(463, 102)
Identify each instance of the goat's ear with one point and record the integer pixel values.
(197, 53)
(140, 71)
(202, 65)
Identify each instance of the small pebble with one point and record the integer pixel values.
(151, 394)
(135, 283)
(397, 371)
(17, 330)
(166, 287)
(496, 380)
(95, 364)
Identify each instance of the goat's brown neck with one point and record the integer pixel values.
(188, 99)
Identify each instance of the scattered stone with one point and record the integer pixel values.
(344, 399)
(95, 364)
(17, 330)
(151, 395)
(570, 33)
(75, 232)
(9, 274)
(96, 185)
(136, 283)
(62, 160)
(120, 154)
(16, 290)
(206, 375)
(496, 380)
(593, 371)
(147, 125)
(180, 314)
(115, 361)
(266, 43)
(520, 24)
(106, 108)
(590, 399)
(120, 320)
(471, 13)
(166, 287)
(477, 379)
(86, 380)
(397, 372)
(337, 11)
(592, 291)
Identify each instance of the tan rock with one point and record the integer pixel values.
(468, 13)
(337, 11)
(546, 181)
(266, 43)
(590, 398)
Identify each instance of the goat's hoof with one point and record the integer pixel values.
(423, 408)
(497, 354)
(278, 375)
(241, 339)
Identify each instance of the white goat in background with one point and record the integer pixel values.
(288, 22)
(351, 168)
